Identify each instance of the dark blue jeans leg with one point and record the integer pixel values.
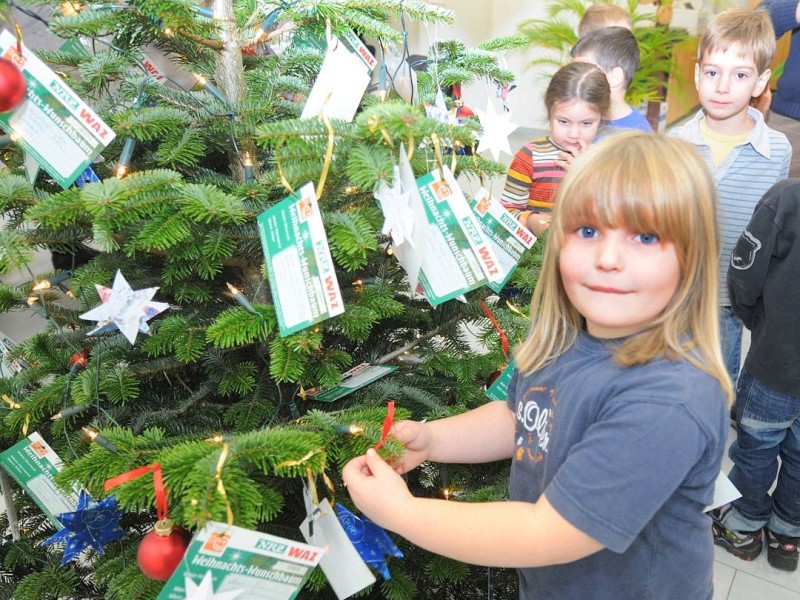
(768, 427)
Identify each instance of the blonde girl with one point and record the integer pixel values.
(617, 412)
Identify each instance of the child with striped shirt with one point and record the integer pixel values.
(577, 98)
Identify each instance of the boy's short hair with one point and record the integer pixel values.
(602, 15)
(750, 31)
(611, 47)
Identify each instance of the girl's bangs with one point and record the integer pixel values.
(629, 204)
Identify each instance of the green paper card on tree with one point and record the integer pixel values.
(34, 464)
(58, 129)
(506, 235)
(352, 380)
(240, 563)
(499, 389)
(457, 256)
(302, 280)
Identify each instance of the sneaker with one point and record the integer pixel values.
(746, 545)
(782, 551)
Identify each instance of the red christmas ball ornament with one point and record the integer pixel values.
(161, 550)
(12, 86)
(463, 111)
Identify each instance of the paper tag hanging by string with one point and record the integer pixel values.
(346, 571)
(34, 465)
(242, 563)
(457, 257)
(505, 235)
(59, 130)
(303, 282)
(342, 80)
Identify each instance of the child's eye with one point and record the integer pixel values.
(711, 73)
(647, 238)
(741, 75)
(586, 231)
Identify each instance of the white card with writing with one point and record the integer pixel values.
(346, 571)
(342, 81)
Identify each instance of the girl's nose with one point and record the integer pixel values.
(609, 255)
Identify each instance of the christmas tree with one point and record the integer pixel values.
(171, 345)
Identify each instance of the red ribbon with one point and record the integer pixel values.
(158, 484)
(387, 424)
(503, 338)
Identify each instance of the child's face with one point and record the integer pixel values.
(726, 81)
(574, 124)
(619, 280)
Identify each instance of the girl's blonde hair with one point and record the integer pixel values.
(647, 183)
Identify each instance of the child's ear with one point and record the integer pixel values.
(763, 82)
(616, 78)
(697, 76)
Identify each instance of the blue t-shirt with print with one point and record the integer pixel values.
(629, 456)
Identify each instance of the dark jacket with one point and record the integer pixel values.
(786, 100)
(764, 283)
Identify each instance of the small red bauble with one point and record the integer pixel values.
(463, 112)
(12, 86)
(161, 550)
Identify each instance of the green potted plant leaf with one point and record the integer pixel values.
(553, 37)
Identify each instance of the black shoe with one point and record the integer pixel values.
(746, 545)
(782, 551)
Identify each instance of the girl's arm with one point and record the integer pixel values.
(484, 434)
(503, 534)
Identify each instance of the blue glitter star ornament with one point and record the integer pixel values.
(371, 542)
(93, 525)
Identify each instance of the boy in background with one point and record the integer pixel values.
(615, 51)
(765, 295)
(602, 15)
(745, 156)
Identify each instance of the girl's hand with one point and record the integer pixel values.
(538, 222)
(416, 438)
(566, 158)
(376, 489)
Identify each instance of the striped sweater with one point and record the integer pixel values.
(742, 179)
(533, 179)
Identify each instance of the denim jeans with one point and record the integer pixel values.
(730, 332)
(768, 427)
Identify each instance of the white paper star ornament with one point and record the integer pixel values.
(496, 129)
(438, 110)
(205, 591)
(124, 308)
(395, 204)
